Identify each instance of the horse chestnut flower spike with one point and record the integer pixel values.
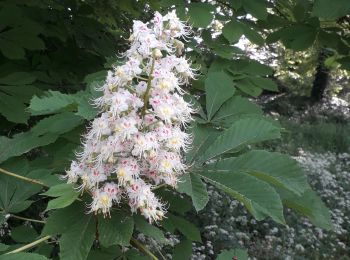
(139, 138)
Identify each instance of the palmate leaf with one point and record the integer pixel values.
(259, 198)
(331, 10)
(75, 244)
(14, 94)
(65, 195)
(116, 230)
(172, 222)
(219, 88)
(275, 168)
(55, 102)
(148, 229)
(200, 14)
(248, 87)
(310, 205)
(192, 185)
(202, 137)
(264, 83)
(238, 254)
(50, 103)
(183, 250)
(13, 109)
(243, 132)
(23, 256)
(3, 247)
(14, 193)
(257, 9)
(233, 109)
(23, 234)
(43, 133)
(77, 229)
(232, 31)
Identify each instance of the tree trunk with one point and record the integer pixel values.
(321, 76)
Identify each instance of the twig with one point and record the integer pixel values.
(30, 245)
(23, 178)
(143, 248)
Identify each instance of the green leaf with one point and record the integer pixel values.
(185, 227)
(177, 203)
(51, 102)
(11, 50)
(297, 37)
(148, 229)
(15, 193)
(45, 176)
(115, 230)
(110, 253)
(183, 250)
(57, 124)
(13, 109)
(232, 31)
(310, 205)
(219, 88)
(252, 35)
(256, 8)
(60, 221)
(264, 83)
(22, 143)
(75, 243)
(22, 256)
(43, 133)
(345, 62)
(234, 108)
(247, 86)
(331, 10)
(193, 186)
(2, 217)
(276, 168)
(259, 198)
(66, 196)
(23, 234)
(55, 101)
(18, 78)
(202, 137)
(238, 254)
(3, 247)
(243, 132)
(200, 14)
(77, 229)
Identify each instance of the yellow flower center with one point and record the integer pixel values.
(104, 200)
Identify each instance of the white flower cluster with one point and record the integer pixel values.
(138, 139)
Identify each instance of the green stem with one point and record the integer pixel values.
(143, 248)
(149, 85)
(142, 78)
(30, 245)
(159, 186)
(27, 219)
(23, 178)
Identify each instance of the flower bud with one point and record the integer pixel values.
(179, 46)
(157, 53)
